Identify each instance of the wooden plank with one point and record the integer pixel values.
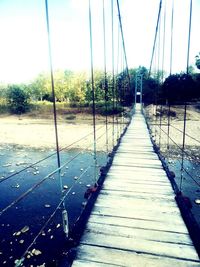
(137, 178)
(116, 191)
(133, 182)
(135, 169)
(114, 257)
(143, 224)
(138, 233)
(144, 203)
(171, 250)
(137, 161)
(131, 155)
(166, 215)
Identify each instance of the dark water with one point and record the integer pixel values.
(34, 210)
(190, 185)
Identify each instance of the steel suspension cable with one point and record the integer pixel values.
(156, 32)
(93, 90)
(36, 185)
(64, 211)
(185, 106)
(189, 37)
(123, 43)
(172, 30)
(113, 72)
(117, 83)
(22, 258)
(188, 135)
(163, 48)
(49, 156)
(122, 35)
(52, 84)
(105, 74)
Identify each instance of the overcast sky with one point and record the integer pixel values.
(24, 48)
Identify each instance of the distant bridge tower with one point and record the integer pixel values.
(138, 87)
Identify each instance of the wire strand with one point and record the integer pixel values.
(25, 194)
(49, 219)
(172, 30)
(105, 74)
(93, 88)
(51, 155)
(154, 44)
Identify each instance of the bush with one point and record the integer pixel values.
(70, 117)
(18, 100)
(109, 110)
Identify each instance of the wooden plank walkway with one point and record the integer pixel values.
(135, 220)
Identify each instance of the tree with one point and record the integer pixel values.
(99, 87)
(197, 60)
(179, 87)
(40, 88)
(78, 87)
(18, 99)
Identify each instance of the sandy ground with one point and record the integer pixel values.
(40, 133)
(192, 137)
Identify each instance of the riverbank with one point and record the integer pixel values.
(40, 133)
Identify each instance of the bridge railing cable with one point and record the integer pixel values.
(70, 146)
(100, 133)
(19, 262)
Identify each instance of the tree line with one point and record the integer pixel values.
(75, 89)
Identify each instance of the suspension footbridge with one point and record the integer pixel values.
(127, 203)
(135, 220)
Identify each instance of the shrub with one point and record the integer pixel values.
(70, 117)
(109, 110)
(18, 100)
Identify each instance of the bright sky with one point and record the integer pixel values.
(24, 47)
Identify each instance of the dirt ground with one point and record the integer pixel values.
(40, 133)
(192, 137)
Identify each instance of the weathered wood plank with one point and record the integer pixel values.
(138, 233)
(171, 250)
(143, 224)
(114, 257)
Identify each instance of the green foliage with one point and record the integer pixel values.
(70, 117)
(100, 87)
(18, 99)
(197, 61)
(110, 111)
(151, 90)
(179, 87)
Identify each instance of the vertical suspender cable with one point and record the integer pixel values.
(64, 212)
(93, 92)
(105, 74)
(158, 78)
(172, 28)
(163, 48)
(113, 73)
(123, 43)
(185, 108)
(117, 84)
(154, 44)
(189, 35)
(170, 72)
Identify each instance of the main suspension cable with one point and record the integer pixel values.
(172, 29)
(189, 37)
(154, 44)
